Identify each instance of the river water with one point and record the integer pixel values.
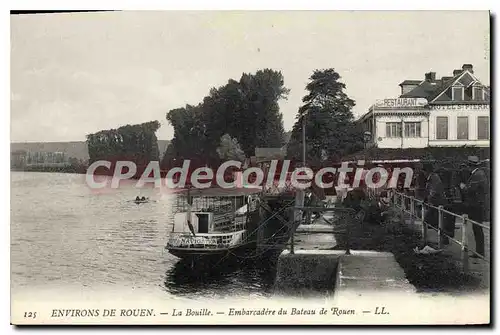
(63, 234)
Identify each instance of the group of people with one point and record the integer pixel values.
(465, 190)
(462, 191)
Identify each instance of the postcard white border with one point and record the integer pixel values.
(163, 4)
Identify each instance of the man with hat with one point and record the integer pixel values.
(475, 191)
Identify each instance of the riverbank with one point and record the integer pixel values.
(53, 169)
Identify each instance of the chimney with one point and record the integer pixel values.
(408, 85)
(456, 72)
(430, 76)
(468, 67)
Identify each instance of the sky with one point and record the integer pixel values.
(77, 73)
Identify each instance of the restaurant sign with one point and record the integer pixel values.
(401, 103)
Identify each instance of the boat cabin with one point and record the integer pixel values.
(214, 211)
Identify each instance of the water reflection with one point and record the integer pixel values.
(63, 234)
(231, 278)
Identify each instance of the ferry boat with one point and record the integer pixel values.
(214, 223)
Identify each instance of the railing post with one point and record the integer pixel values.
(440, 226)
(424, 225)
(465, 246)
(297, 217)
(348, 236)
(412, 210)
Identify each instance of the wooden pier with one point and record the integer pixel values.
(336, 253)
(319, 260)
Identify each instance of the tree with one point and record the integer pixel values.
(229, 149)
(330, 128)
(137, 143)
(189, 130)
(263, 125)
(246, 110)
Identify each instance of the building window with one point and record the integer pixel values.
(412, 129)
(483, 127)
(462, 128)
(441, 128)
(477, 93)
(393, 129)
(457, 93)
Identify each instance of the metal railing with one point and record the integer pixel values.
(347, 216)
(278, 188)
(408, 204)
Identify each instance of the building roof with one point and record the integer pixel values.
(437, 91)
(411, 82)
(432, 88)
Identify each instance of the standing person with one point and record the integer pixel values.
(462, 177)
(434, 195)
(319, 198)
(475, 193)
(354, 199)
(418, 181)
(487, 170)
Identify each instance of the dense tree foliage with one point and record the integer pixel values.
(246, 110)
(137, 143)
(229, 149)
(330, 128)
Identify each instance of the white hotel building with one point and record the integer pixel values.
(450, 111)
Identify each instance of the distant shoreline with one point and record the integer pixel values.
(67, 169)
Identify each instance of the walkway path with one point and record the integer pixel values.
(441, 272)
(477, 267)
